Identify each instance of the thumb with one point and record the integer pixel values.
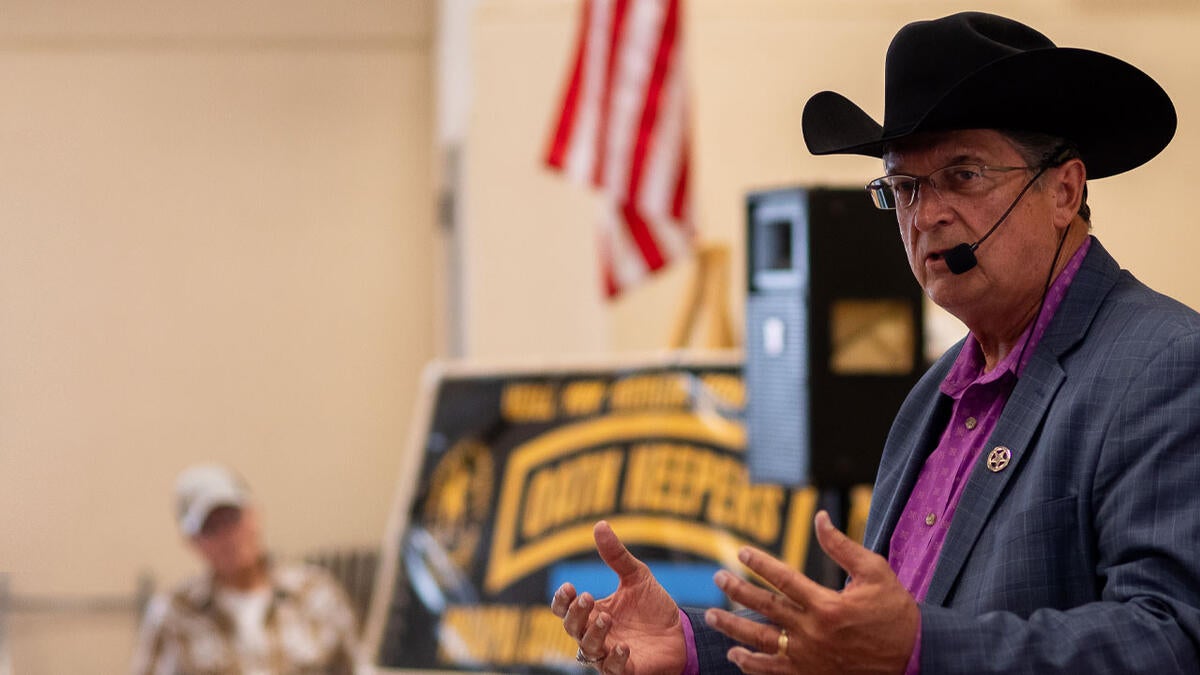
(614, 554)
(847, 553)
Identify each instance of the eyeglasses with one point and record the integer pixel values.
(958, 180)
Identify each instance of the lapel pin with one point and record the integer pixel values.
(998, 458)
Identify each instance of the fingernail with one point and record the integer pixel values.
(621, 650)
(720, 579)
(600, 622)
(710, 617)
(744, 555)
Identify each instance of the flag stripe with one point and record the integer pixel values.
(582, 156)
(642, 232)
(652, 97)
(632, 71)
(665, 151)
(678, 200)
(645, 240)
(638, 249)
(629, 267)
(561, 139)
(619, 12)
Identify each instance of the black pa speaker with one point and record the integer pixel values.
(834, 335)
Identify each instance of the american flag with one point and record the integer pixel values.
(623, 129)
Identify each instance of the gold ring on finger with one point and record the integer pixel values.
(783, 643)
(584, 660)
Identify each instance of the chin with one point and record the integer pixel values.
(947, 294)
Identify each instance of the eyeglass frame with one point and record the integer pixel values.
(876, 187)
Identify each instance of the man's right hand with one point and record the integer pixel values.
(635, 630)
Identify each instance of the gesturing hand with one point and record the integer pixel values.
(636, 629)
(870, 626)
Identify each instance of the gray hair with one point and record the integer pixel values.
(1038, 150)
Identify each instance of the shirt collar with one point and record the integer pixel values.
(968, 367)
(202, 593)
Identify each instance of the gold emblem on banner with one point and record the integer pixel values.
(459, 500)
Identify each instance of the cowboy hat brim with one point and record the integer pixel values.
(1117, 116)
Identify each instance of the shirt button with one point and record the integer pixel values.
(930, 519)
(970, 423)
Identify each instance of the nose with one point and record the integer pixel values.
(929, 209)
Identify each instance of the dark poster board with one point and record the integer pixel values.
(509, 473)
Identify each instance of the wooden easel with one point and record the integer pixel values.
(709, 288)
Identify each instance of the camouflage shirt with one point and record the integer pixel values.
(309, 628)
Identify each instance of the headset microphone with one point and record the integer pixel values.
(961, 258)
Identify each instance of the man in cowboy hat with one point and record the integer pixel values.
(1037, 507)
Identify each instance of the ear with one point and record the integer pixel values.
(1067, 189)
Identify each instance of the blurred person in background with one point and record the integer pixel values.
(248, 614)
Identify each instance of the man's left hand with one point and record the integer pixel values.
(870, 626)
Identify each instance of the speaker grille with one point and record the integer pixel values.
(777, 424)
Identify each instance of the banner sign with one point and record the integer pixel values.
(516, 468)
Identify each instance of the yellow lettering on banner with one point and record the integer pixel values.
(750, 509)
(514, 556)
(667, 477)
(583, 397)
(582, 487)
(684, 475)
(698, 483)
(484, 634)
(544, 640)
(503, 635)
(527, 402)
(647, 392)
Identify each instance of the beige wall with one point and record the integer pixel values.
(530, 284)
(753, 64)
(216, 242)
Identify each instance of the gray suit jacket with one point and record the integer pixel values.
(1083, 555)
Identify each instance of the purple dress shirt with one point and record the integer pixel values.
(979, 398)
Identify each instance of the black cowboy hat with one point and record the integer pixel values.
(980, 71)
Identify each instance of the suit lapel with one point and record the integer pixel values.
(1023, 415)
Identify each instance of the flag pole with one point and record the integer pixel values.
(708, 290)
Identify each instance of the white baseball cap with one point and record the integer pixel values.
(201, 488)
